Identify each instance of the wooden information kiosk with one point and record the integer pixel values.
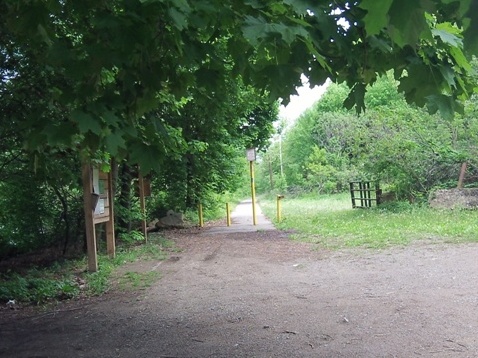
(98, 207)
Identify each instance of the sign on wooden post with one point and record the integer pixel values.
(98, 208)
(251, 154)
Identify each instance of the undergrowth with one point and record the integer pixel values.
(69, 279)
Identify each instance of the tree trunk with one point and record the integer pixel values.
(125, 175)
(191, 195)
(271, 174)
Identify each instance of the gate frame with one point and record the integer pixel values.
(365, 194)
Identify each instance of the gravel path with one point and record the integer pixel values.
(258, 294)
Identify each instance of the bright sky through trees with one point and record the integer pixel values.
(299, 103)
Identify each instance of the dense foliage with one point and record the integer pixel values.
(410, 151)
(104, 67)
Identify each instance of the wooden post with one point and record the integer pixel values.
(378, 193)
(110, 224)
(200, 215)
(361, 193)
(462, 175)
(352, 194)
(89, 224)
(142, 204)
(368, 194)
(271, 176)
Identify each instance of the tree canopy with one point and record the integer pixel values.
(102, 75)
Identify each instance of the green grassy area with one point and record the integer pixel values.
(69, 279)
(331, 222)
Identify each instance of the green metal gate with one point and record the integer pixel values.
(365, 194)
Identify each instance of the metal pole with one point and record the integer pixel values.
(253, 192)
(228, 215)
(201, 219)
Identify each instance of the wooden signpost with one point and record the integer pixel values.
(98, 207)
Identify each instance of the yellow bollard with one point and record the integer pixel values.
(253, 193)
(279, 209)
(201, 219)
(228, 214)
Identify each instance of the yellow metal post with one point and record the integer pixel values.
(228, 215)
(253, 192)
(279, 209)
(201, 219)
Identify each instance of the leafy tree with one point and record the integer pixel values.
(319, 171)
(402, 145)
(40, 194)
(216, 130)
(43, 207)
(115, 61)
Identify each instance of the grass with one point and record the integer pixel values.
(330, 222)
(132, 280)
(99, 282)
(69, 279)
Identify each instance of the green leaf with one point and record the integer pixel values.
(302, 7)
(86, 122)
(471, 29)
(255, 4)
(182, 5)
(356, 98)
(256, 28)
(448, 37)
(145, 156)
(179, 19)
(60, 134)
(377, 15)
(463, 5)
(419, 83)
(460, 58)
(44, 35)
(449, 76)
(299, 6)
(380, 44)
(407, 22)
(110, 119)
(114, 142)
(445, 104)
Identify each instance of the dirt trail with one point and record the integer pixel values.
(258, 294)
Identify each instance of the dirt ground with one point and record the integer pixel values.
(261, 295)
